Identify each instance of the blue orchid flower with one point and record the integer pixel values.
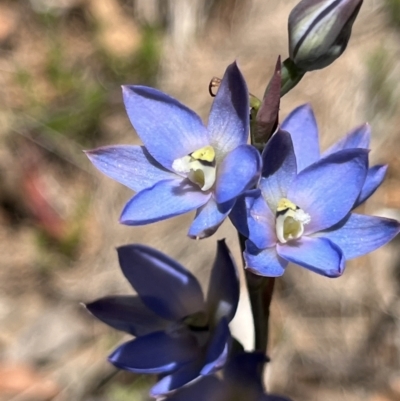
(241, 381)
(179, 335)
(304, 217)
(303, 129)
(183, 165)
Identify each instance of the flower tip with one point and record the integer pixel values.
(111, 359)
(91, 154)
(127, 90)
(126, 220)
(88, 154)
(383, 169)
(130, 249)
(234, 64)
(306, 107)
(233, 70)
(335, 273)
(203, 234)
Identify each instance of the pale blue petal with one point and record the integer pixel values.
(359, 137)
(239, 171)
(218, 349)
(163, 285)
(129, 165)
(328, 189)
(155, 353)
(375, 177)
(209, 217)
(127, 313)
(279, 168)
(261, 222)
(319, 255)
(165, 199)
(360, 234)
(168, 129)
(223, 288)
(301, 125)
(228, 122)
(265, 262)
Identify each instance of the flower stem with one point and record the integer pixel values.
(260, 293)
(291, 76)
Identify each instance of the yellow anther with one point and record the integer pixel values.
(285, 204)
(207, 154)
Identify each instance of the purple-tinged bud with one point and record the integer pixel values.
(319, 31)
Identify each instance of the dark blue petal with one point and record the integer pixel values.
(185, 375)
(223, 289)
(254, 219)
(218, 348)
(209, 217)
(163, 285)
(131, 166)
(301, 125)
(264, 262)
(207, 388)
(239, 171)
(328, 189)
(155, 353)
(238, 215)
(228, 123)
(319, 255)
(279, 168)
(359, 137)
(165, 199)
(360, 234)
(127, 313)
(375, 177)
(168, 129)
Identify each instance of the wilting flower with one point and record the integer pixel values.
(183, 165)
(241, 381)
(302, 127)
(319, 31)
(179, 335)
(304, 217)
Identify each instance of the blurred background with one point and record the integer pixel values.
(61, 66)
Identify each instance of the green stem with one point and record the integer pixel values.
(291, 76)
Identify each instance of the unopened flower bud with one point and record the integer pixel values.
(319, 31)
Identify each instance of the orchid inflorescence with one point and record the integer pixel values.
(288, 202)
